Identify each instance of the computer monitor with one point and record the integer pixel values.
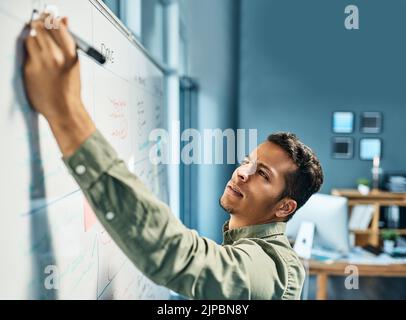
(330, 217)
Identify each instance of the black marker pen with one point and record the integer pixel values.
(89, 50)
(80, 43)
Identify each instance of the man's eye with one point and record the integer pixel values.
(263, 174)
(244, 162)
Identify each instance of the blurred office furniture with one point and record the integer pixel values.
(331, 254)
(377, 199)
(376, 172)
(330, 216)
(394, 181)
(304, 240)
(397, 184)
(323, 270)
(328, 236)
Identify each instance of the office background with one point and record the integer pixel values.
(281, 65)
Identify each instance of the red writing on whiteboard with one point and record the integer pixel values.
(121, 131)
(119, 108)
(119, 113)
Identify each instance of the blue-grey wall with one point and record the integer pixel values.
(208, 53)
(211, 28)
(298, 64)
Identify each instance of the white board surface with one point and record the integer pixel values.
(51, 245)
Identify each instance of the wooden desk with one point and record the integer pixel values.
(323, 270)
(378, 199)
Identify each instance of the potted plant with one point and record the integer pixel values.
(363, 186)
(389, 238)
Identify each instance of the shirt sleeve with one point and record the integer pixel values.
(158, 244)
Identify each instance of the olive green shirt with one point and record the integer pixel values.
(255, 262)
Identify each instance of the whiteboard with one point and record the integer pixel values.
(51, 244)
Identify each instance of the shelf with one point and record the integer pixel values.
(373, 195)
(382, 203)
(368, 232)
(378, 199)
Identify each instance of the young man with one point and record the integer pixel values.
(255, 260)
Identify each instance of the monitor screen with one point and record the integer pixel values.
(330, 217)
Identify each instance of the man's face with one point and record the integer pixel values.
(254, 190)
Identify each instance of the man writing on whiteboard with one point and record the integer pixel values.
(255, 260)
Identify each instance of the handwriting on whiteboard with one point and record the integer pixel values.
(141, 81)
(141, 123)
(119, 114)
(158, 91)
(108, 53)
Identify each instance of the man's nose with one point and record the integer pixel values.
(244, 172)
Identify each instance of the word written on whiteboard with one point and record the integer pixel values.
(141, 81)
(108, 53)
(119, 113)
(158, 91)
(121, 132)
(141, 123)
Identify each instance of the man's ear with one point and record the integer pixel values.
(286, 207)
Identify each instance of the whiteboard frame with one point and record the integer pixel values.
(113, 19)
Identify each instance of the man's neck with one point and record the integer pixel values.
(238, 222)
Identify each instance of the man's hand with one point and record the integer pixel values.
(52, 77)
(52, 82)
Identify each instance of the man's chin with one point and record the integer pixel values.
(223, 203)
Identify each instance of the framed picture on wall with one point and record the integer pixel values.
(369, 148)
(371, 122)
(343, 121)
(342, 148)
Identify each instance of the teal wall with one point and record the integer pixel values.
(298, 64)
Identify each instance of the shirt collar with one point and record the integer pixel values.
(254, 231)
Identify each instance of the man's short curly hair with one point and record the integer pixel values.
(308, 178)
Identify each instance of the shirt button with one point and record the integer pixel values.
(80, 169)
(109, 215)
